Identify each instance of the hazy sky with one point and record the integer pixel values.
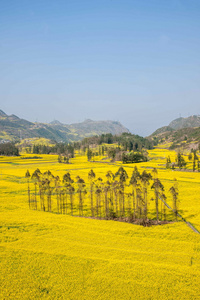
(137, 62)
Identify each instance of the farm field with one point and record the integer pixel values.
(55, 256)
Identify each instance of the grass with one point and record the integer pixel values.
(54, 256)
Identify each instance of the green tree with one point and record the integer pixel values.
(145, 178)
(57, 190)
(112, 153)
(123, 176)
(36, 177)
(158, 189)
(110, 191)
(89, 154)
(91, 177)
(81, 191)
(174, 192)
(27, 175)
(181, 161)
(99, 189)
(195, 159)
(134, 182)
(59, 159)
(67, 181)
(168, 162)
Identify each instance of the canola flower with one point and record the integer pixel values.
(58, 256)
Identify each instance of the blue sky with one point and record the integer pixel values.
(137, 62)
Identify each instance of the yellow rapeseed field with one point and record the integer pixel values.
(55, 256)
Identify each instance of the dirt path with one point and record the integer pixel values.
(183, 219)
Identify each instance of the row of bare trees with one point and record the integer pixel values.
(117, 197)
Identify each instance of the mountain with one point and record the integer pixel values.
(180, 133)
(12, 128)
(192, 121)
(162, 130)
(55, 122)
(98, 127)
(2, 113)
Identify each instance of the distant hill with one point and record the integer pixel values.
(181, 132)
(192, 121)
(2, 113)
(12, 128)
(162, 130)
